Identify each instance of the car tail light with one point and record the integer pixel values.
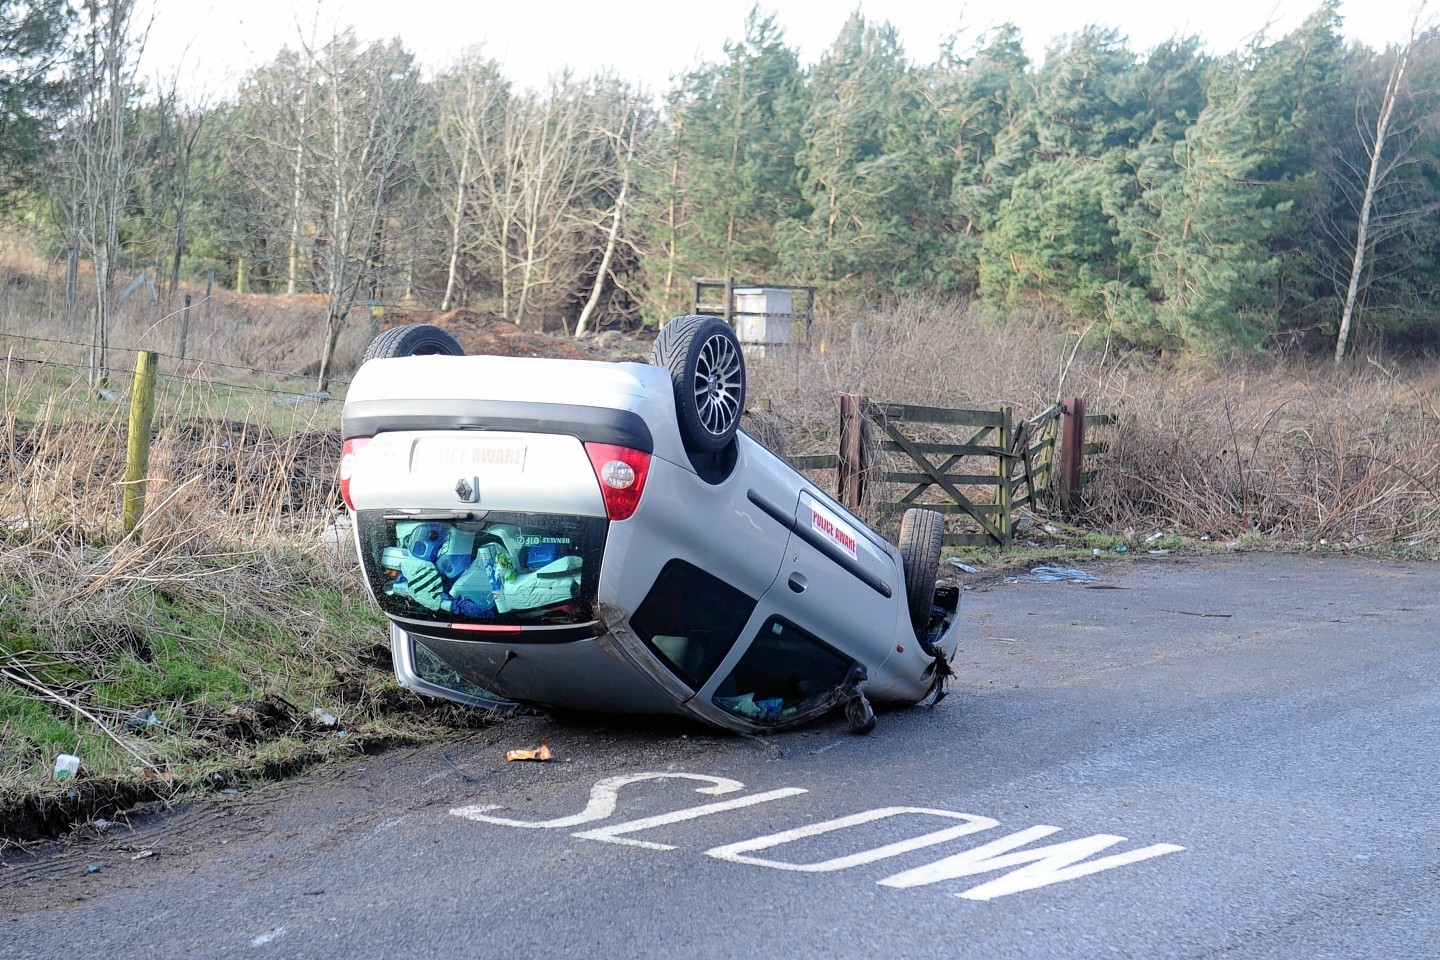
(621, 472)
(347, 466)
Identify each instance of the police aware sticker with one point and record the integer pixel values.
(834, 529)
(491, 456)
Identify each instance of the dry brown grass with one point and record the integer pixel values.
(1295, 452)
(924, 351)
(236, 597)
(270, 333)
(1288, 450)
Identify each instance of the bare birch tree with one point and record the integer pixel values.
(298, 178)
(552, 180)
(98, 162)
(1383, 169)
(370, 97)
(473, 128)
(173, 138)
(496, 198)
(625, 140)
(273, 164)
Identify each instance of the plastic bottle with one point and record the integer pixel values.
(487, 557)
(456, 554)
(538, 555)
(391, 559)
(426, 542)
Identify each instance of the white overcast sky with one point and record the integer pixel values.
(210, 45)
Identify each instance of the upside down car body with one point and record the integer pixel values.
(602, 537)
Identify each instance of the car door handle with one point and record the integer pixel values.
(797, 582)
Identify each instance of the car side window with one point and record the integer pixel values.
(786, 673)
(690, 620)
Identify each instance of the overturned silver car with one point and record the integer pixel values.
(587, 536)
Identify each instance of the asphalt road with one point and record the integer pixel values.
(1232, 757)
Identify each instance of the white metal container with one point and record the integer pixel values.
(763, 316)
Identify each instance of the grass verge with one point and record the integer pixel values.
(226, 639)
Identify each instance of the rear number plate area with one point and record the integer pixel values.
(480, 455)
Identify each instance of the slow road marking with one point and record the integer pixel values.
(1029, 867)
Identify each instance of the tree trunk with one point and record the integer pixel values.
(615, 221)
(455, 225)
(297, 198)
(1372, 183)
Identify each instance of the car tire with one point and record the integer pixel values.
(707, 373)
(414, 340)
(922, 534)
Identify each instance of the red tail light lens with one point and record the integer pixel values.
(347, 466)
(621, 472)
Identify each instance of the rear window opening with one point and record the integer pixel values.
(483, 569)
(431, 669)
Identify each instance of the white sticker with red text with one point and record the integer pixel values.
(834, 529)
(489, 456)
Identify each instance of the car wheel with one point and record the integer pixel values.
(414, 340)
(707, 371)
(922, 534)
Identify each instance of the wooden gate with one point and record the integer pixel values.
(1022, 462)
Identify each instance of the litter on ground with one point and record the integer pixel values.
(1059, 574)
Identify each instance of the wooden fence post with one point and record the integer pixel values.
(1003, 494)
(137, 449)
(850, 479)
(72, 273)
(184, 327)
(1072, 453)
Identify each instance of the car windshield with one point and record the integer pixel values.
(501, 569)
(690, 620)
(784, 675)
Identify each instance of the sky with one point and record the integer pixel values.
(208, 46)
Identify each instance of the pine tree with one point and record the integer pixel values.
(866, 173)
(1201, 230)
(984, 104)
(33, 34)
(734, 135)
(1054, 237)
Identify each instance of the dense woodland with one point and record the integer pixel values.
(1284, 194)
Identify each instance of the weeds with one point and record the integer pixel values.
(194, 651)
(1282, 451)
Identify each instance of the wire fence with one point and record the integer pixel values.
(248, 444)
(197, 366)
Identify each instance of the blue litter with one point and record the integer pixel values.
(1058, 574)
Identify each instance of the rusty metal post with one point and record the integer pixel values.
(850, 473)
(1072, 453)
